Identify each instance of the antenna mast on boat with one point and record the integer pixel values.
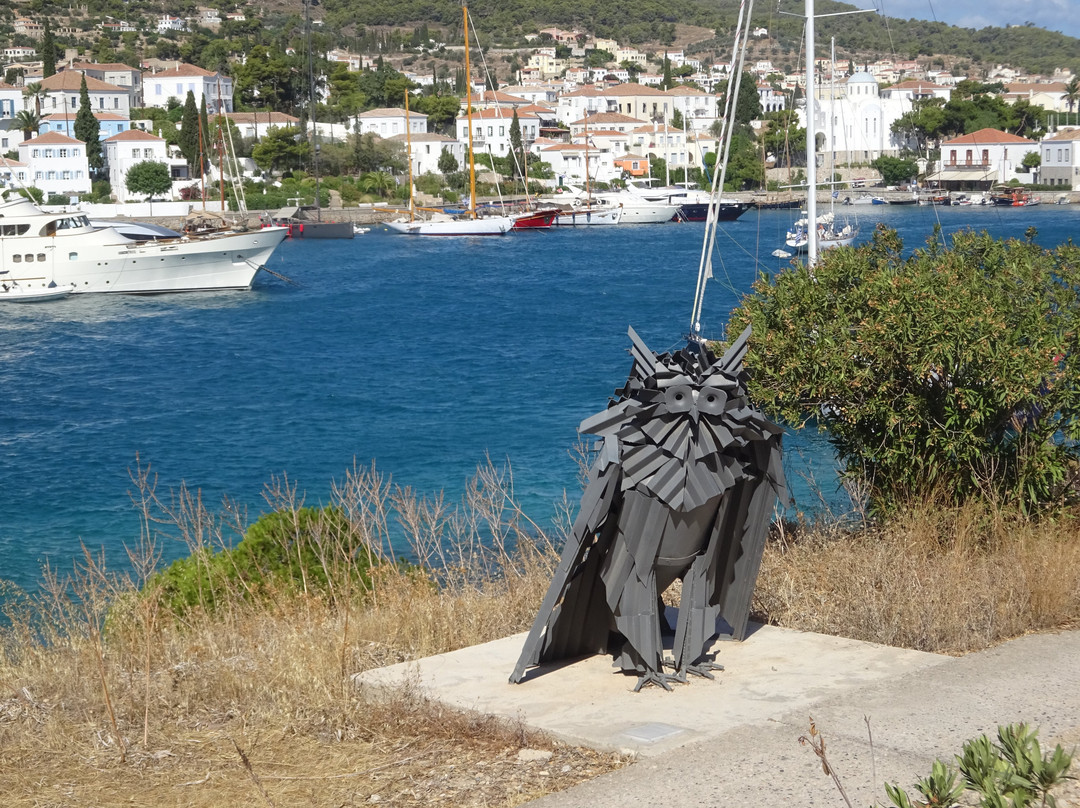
(811, 143)
(408, 153)
(811, 138)
(723, 149)
(468, 115)
(228, 150)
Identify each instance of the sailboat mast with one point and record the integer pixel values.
(588, 187)
(408, 154)
(468, 115)
(811, 143)
(311, 109)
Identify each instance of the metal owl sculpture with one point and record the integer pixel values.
(682, 488)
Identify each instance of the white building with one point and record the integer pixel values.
(1061, 159)
(116, 73)
(56, 163)
(257, 124)
(427, 148)
(535, 94)
(134, 146)
(18, 53)
(10, 100)
(853, 121)
(567, 160)
(576, 105)
(665, 142)
(604, 121)
(982, 159)
(12, 173)
(176, 82)
(491, 130)
(169, 23)
(389, 121)
(771, 100)
(62, 94)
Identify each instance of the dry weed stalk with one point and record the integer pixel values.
(816, 741)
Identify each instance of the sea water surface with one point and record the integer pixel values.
(424, 356)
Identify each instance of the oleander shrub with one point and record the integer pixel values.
(946, 373)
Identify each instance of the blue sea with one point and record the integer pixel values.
(422, 356)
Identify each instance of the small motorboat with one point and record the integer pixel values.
(12, 291)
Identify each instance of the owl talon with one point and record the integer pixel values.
(652, 678)
(702, 669)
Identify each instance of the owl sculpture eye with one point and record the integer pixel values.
(712, 401)
(679, 398)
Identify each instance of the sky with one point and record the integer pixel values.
(1053, 15)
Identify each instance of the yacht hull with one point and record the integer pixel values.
(483, 226)
(214, 263)
(589, 217)
(41, 251)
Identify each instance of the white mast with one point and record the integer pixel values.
(811, 143)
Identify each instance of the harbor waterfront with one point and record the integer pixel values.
(423, 356)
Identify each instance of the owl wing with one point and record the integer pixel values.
(574, 619)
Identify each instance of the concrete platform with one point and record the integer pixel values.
(589, 702)
(886, 714)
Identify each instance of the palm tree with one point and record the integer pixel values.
(1072, 92)
(28, 121)
(34, 91)
(377, 182)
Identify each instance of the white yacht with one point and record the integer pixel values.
(42, 251)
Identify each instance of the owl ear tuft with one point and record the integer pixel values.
(644, 358)
(733, 357)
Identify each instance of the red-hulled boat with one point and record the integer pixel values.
(534, 219)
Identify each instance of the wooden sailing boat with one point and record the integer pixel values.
(441, 224)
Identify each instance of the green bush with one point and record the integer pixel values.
(1008, 774)
(952, 372)
(311, 550)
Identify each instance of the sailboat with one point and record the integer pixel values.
(826, 233)
(442, 224)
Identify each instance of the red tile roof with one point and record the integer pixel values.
(182, 70)
(133, 135)
(69, 80)
(51, 138)
(988, 136)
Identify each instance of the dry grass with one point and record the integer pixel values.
(942, 580)
(107, 699)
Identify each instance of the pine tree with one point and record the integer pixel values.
(48, 52)
(87, 129)
(189, 131)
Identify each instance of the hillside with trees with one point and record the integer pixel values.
(388, 26)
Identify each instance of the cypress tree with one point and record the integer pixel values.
(516, 146)
(205, 129)
(87, 129)
(189, 131)
(48, 52)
